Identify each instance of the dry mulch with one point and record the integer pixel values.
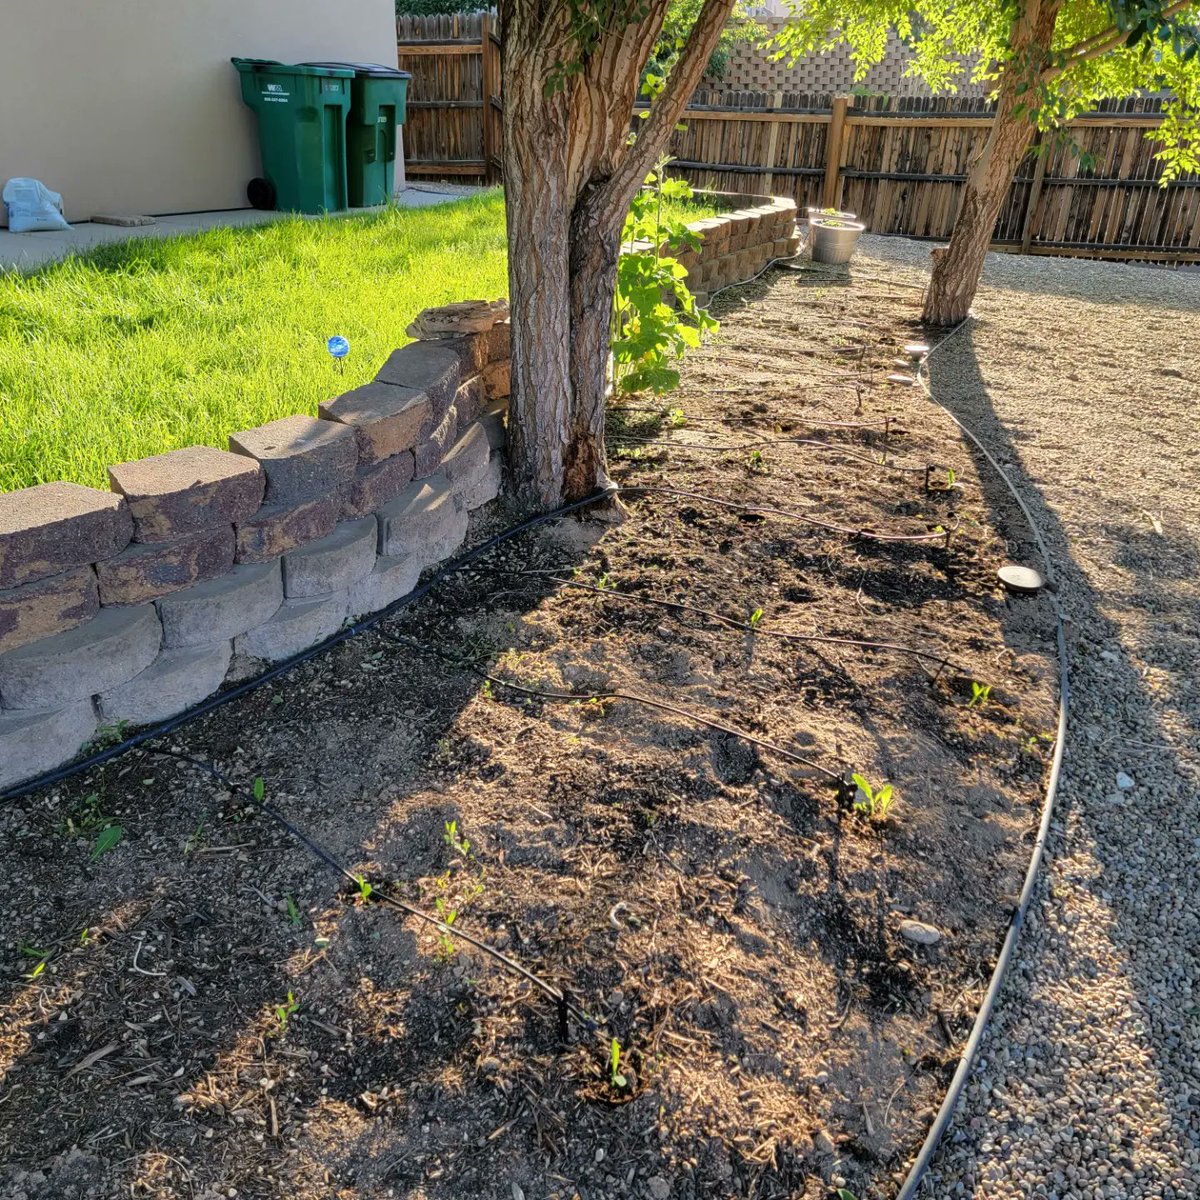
(709, 900)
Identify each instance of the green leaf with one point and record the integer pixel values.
(108, 840)
(260, 788)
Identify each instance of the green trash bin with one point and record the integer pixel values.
(301, 113)
(377, 98)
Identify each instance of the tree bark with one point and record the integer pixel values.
(570, 175)
(958, 267)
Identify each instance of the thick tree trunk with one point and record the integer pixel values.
(569, 178)
(957, 268)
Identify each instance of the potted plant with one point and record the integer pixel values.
(834, 238)
(812, 213)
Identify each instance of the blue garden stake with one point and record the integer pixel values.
(339, 348)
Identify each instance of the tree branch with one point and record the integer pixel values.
(1105, 41)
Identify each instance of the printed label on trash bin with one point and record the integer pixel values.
(275, 93)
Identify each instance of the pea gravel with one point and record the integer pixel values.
(1085, 378)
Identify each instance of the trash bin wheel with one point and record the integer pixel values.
(261, 194)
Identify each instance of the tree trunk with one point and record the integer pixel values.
(957, 268)
(570, 175)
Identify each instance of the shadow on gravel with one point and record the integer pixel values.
(1141, 845)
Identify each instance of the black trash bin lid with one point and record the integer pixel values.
(374, 70)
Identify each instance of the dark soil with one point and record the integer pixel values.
(708, 900)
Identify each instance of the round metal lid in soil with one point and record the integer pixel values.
(1023, 580)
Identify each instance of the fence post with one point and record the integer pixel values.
(1035, 193)
(834, 145)
(776, 101)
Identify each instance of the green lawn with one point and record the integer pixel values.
(148, 345)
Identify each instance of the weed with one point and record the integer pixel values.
(446, 915)
(110, 837)
(676, 418)
(868, 801)
(456, 843)
(845, 1194)
(756, 462)
(614, 1066)
(84, 817)
(195, 839)
(293, 912)
(284, 1013)
(260, 788)
(109, 735)
(486, 690)
(364, 888)
(605, 583)
(979, 694)
(755, 617)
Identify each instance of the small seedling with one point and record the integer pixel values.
(446, 915)
(293, 912)
(868, 801)
(284, 1013)
(979, 694)
(110, 735)
(676, 418)
(755, 462)
(604, 583)
(486, 690)
(614, 1066)
(451, 838)
(364, 888)
(260, 788)
(108, 840)
(845, 1194)
(755, 617)
(84, 817)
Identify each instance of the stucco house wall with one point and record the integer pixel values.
(133, 106)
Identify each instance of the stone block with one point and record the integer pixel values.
(387, 419)
(48, 529)
(492, 421)
(110, 649)
(425, 367)
(462, 317)
(276, 529)
(390, 579)
(422, 523)
(334, 562)
(185, 490)
(497, 379)
(221, 609)
(296, 625)
(485, 488)
(779, 248)
(173, 682)
(374, 486)
(33, 742)
(466, 462)
(468, 402)
(499, 341)
(144, 571)
(47, 606)
(427, 456)
(301, 457)
(472, 353)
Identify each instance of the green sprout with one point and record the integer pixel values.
(293, 912)
(108, 840)
(872, 803)
(364, 888)
(260, 788)
(614, 1066)
(755, 617)
(979, 694)
(284, 1013)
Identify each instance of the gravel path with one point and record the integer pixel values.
(1085, 377)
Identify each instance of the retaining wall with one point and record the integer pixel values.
(202, 564)
(738, 242)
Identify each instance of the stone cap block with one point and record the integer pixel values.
(301, 457)
(451, 320)
(222, 608)
(425, 367)
(144, 571)
(183, 491)
(386, 418)
(47, 606)
(110, 649)
(49, 528)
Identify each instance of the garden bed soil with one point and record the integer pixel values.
(710, 902)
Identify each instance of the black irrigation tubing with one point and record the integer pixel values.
(376, 892)
(945, 1114)
(766, 511)
(732, 622)
(838, 777)
(48, 778)
(882, 423)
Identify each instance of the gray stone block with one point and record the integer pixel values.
(296, 625)
(492, 421)
(301, 457)
(144, 571)
(419, 518)
(374, 486)
(222, 608)
(427, 457)
(334, 562)
(391, 579)
(485, 488)
(33, 742)
(461, 317)
(186, 490)
(110, 649)
(468, 403)
(274, 529)
(466, 462)
(428, 368)
(387, 418)
(50, 528)
(46, 607)
(174, 681)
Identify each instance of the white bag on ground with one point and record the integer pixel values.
(32, 207)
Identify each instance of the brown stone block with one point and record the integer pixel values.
(47, 606)
(426, 367)
(274, 529)
(301, 457)
(373, 487)
(145, 571)
(497, 380)
(387, 419)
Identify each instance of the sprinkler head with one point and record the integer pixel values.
(916, 350)
(1024, 581)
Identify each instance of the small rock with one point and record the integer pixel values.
(919, 932)
(1125, 782)
(600, 1154)
(517, 1191)
(660, 1189)
(823, 1142)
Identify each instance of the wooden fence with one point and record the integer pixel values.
(898, 163)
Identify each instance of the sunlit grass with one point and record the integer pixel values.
(147, 345)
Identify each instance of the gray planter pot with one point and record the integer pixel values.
(834, 243)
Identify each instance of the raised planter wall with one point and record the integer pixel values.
(739, 242)
(202, 564)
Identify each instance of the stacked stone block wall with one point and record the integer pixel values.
(201, 564)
